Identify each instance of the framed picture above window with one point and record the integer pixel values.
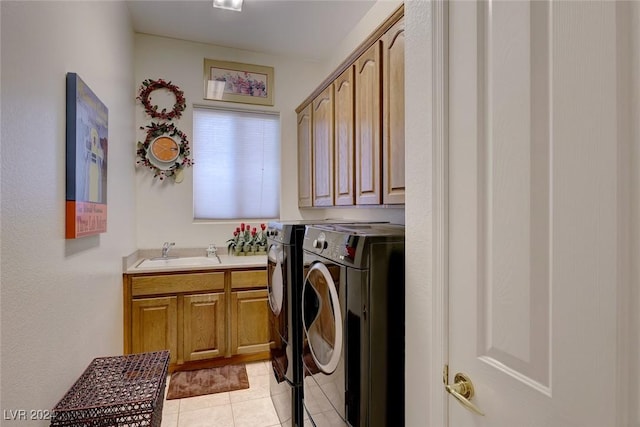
(237, 82)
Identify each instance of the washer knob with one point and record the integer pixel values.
(320, 244)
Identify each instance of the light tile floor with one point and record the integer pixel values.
(251, 407)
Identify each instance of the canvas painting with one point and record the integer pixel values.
(86, 171)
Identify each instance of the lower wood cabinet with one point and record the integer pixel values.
(154, 325)
(199, 317)
(249, 322)
(204, 326)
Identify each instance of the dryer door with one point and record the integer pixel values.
(280, 350)
(276, 278)
(322, 318)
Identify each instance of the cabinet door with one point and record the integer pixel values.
(154, 323)
(393, 115)
(368, 111)
(344, 114)
(204, 326)
(249, 322)
(323, 148)
(304, 158)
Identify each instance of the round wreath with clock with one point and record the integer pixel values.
(165, 150)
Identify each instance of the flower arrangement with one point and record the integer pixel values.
(155, 130)
(144, 96)
(261, 237)
(248, 240)
(243, 84)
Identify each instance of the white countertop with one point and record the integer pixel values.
(141, 264)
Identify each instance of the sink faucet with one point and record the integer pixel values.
(212, 251)
(166, 247)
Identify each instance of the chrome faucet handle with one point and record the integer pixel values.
(212, 251)
(166, 246)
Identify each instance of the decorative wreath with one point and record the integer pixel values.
(148, 86)
(154, 130)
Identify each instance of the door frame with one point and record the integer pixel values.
(438, 51)
(628, 62)
(628, 93)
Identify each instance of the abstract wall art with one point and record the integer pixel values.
(86, 168)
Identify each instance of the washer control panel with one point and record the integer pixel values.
(275, 234)
(340, 247)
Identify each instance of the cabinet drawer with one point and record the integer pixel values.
(177, 283)
(249, 279)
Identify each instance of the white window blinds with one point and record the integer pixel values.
(236, 171)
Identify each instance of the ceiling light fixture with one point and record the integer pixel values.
(228, 4)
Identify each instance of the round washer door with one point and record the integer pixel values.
(321, 318)
(275, 279)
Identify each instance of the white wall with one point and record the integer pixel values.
(419, 213)
(61, 299)
(164, 208)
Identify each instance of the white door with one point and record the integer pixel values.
(534, 220)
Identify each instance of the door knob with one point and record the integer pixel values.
(462, 390)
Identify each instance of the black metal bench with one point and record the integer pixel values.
(116, 391)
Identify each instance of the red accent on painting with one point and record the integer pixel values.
(85, 219)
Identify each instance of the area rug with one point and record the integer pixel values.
(207, 381)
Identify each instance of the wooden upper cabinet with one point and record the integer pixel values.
(344, 136)
(367, 126)
(304, 157)
(351, 128)
(393, 170)
(322, 144)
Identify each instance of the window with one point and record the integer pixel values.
(236, 171)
